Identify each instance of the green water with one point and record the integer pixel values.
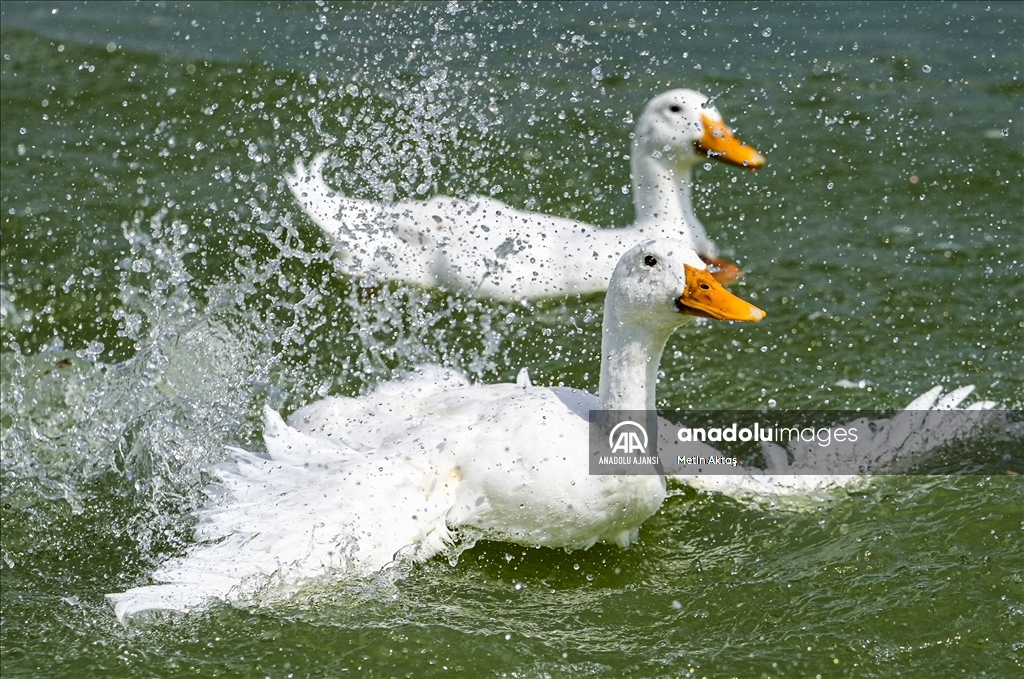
(159, 285)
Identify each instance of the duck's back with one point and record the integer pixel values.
(507, 461)
(520, 455)
(478, 244)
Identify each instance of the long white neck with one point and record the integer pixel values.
(662, 198)
(630, 355)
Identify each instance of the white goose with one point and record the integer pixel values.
(391, 474)
(489, 249)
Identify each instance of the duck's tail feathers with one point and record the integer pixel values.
(306, 510)
(373, 240)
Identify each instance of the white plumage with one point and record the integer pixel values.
(352, 485)
(356, 483)
(795, 475)
(489, 249)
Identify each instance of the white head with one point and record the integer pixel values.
(681, 127)
(656, 286)
(658, 283)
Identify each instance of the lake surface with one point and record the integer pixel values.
(160, 285)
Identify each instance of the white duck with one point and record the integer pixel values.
(353, 485)
(489, 249)
(390, 475)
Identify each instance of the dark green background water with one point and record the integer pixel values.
(159, 285)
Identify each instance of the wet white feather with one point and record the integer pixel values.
(487, 248)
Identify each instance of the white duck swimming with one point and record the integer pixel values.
(489, 249)
(353, 485)
(390, 475)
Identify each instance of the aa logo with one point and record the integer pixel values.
(628, 438)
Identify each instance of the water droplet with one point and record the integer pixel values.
(926, 68)
(772, 403)
(766, 32)
(141, 265)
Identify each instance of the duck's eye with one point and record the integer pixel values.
(650, 260)
(675, 108)
(705, 286)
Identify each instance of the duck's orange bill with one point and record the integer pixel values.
(720, 143)
(723, 271)
(706, 298)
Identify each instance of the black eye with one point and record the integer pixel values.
(650, 260)
(675, 108)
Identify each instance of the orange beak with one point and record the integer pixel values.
(706, 298)
(723, 271)
(720, 143)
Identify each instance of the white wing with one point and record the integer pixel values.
(481, 245)
(312, 509)
(795, 477)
